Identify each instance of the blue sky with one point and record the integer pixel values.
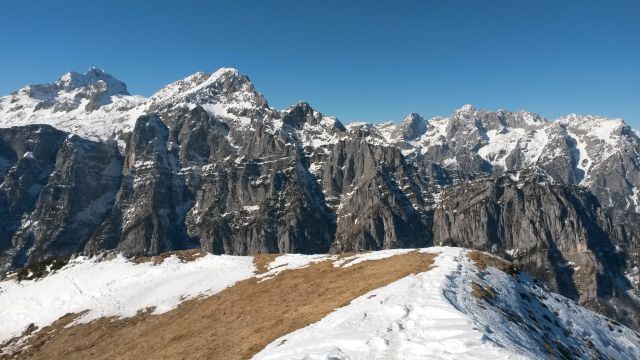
(358, 60)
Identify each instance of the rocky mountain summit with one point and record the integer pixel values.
(206, 163)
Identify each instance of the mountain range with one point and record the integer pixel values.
(205, 163)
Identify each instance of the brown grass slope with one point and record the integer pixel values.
(233, 324)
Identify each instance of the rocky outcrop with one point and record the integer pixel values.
(148, 215)
(378, 197)
(411, 128)
(558, 233)
(28, 158)
(77, 197)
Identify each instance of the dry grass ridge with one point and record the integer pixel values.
(233, 324)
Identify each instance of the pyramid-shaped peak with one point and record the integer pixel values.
(466, 108)
(411, 128)
(223, 80)
(413, 117)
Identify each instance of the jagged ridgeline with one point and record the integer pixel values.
(206, 163)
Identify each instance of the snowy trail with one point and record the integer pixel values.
(458, 311)
(408, 319)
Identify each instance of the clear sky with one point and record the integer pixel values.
(358, 60)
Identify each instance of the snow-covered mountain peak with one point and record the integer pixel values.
(73, 80)
(309, 126)
(599, 126)
(93, 105)
(95, 83)
(225, 93)
(226, 71)
(530, 118)
(602, 135)
(466, 108)
(301, 114)
(412, 127)
(302, 104)
(411, 117)
(361, 126)
(368, 132)
(197, 82)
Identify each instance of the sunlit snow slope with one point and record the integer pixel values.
(456, 311)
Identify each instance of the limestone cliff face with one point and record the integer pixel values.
(558, 233)
(28, 157)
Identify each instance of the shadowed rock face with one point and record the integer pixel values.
(148, 215)
(382, 204)
(28, 157)
(558, 233)
(411, 128)
(210, 165)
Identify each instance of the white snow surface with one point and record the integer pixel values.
(501, 143)
(291, 262)
(373, 255)
(120, 287)
(433, 315)
(408, 319)
(116, 287)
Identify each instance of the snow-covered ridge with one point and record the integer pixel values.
(120, 287)
(94, 105)
(517, 140)
(458, 311)
(192, 84)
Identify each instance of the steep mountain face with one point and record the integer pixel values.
(558, 233)
(28, 157)
(56, 193)
(78, 195)
(206, 163)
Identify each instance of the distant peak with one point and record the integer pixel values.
(412, 127)
(225, 86)
(301, 113)
(467, 108)
(591, 121)
(74, 80)
(302, 104)
(412, 117)
(96, 71)
(226, 71)
(195, 82)
(201, 77)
